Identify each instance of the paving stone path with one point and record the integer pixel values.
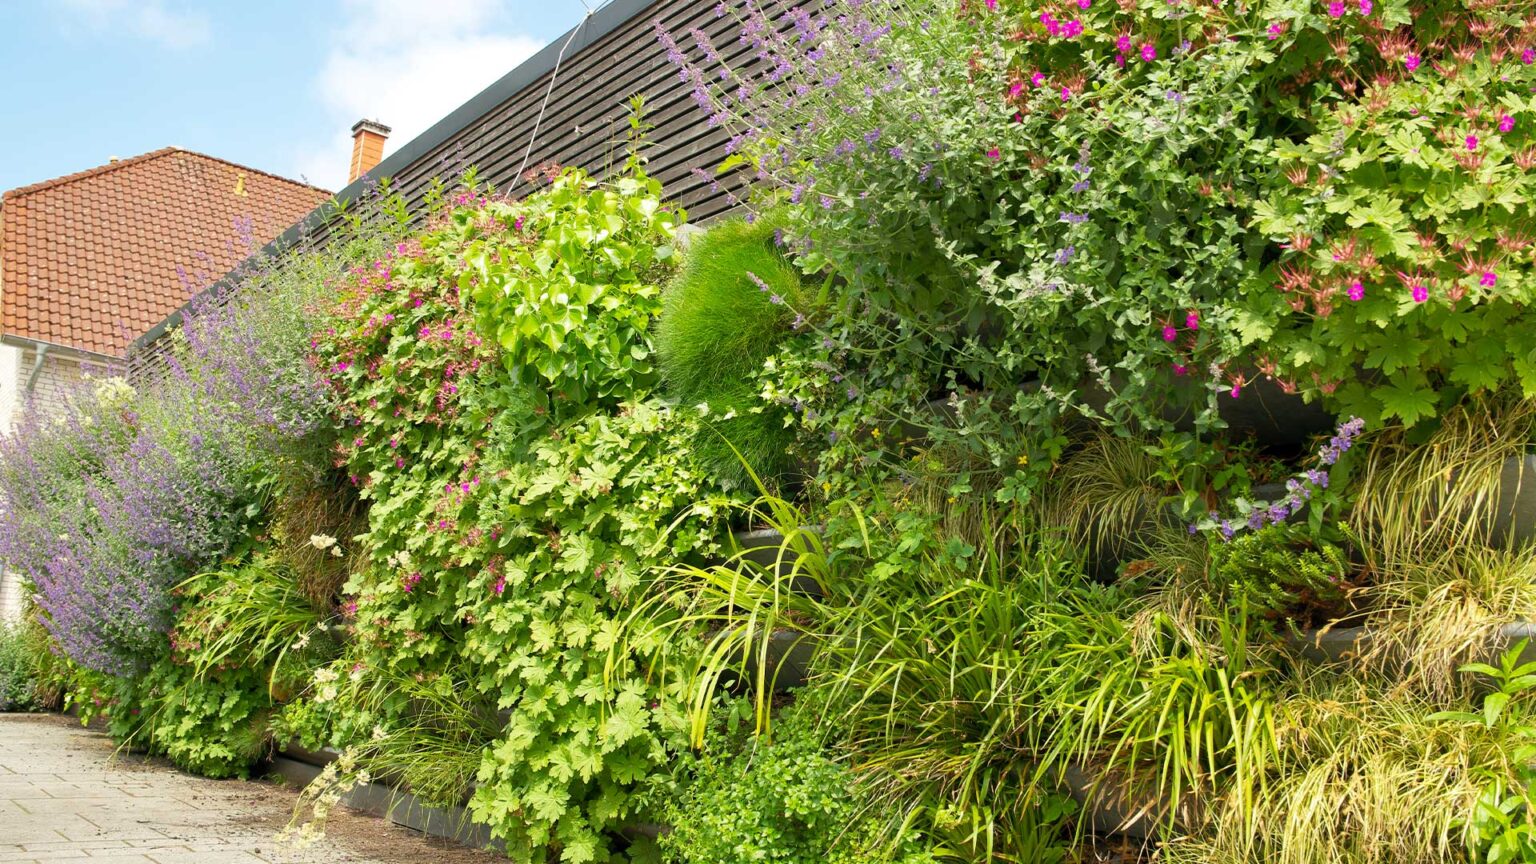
(67, 795)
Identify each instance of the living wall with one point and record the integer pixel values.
(1105, 435)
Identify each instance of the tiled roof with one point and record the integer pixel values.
(91, 260)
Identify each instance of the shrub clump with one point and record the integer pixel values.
(784, 799)
(730, 308)
(18, 668)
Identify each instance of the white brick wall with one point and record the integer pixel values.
(60, 376)
(10, 596)
(11, 383)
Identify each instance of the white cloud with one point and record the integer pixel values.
(406, 64)
(147, 19)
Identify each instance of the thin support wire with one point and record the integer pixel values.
(549, 91)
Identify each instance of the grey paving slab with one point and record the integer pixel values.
(68, 795)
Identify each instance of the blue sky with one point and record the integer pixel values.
(272, 84)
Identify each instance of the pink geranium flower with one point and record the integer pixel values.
(1356, 291)
(1506, 124)
(1489, 279)
(1420, 293)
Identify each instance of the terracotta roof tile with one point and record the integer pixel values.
(92, 260)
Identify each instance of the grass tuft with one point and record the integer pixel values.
(718, 326)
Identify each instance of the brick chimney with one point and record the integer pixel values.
(367, 147)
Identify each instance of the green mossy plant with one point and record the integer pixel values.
(18, 668)
(727, 311)
(784, 799)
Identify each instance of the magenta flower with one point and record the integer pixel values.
(1015, 89)
(1420, 293)
(1528, 56)
(1365, 7)
(1148, 52)
(1074, 28)
(1180, 369)
(1489, 279)
(1169, 334)
(1336, 9)
(1084, 4)
(1356, 291)
(1123, 44)
(1066, 93)
(1037, 79)
(1506, 124)
(1192, 321)
(992, 5)
(994, 154)
(1275, 30)
(1412, 61)
(1471, 142)
(1120, 60)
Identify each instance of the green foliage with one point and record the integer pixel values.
(251, 615)
(727, 311)
(1268, 574)
(1145, 210)
(1416, 195)
(214, 725)
(1500, 830)
(974, 681)
(245, 636)
(1504, 707)
(21, 645)
(524, 484)
(566, 282)
(782, 799)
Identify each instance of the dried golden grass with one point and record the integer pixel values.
(1425, 522)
